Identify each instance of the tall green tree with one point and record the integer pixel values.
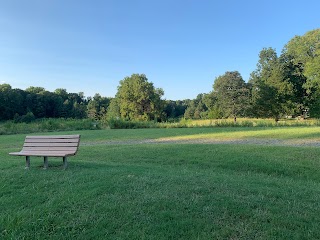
(293, 73)
(97, 106)
(271, 91)
(113, 110)
(138, 99)
(304, 54)
(232, 95)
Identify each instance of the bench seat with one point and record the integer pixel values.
(49, 146)
(43, 153)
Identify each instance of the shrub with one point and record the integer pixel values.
(119, 123)
(28, 118)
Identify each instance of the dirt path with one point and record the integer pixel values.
(255, 141)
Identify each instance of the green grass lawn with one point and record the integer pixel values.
(165, 191)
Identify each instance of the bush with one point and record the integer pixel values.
(28, 118)
(118, 123)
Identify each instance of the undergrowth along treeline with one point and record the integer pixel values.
(50, 125)
(188, 123)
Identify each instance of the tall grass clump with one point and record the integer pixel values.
(252, 122)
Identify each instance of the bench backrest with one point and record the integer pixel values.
(55, 143)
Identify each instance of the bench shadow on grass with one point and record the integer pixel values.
(74, 163)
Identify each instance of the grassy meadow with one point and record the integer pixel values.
(175, 183)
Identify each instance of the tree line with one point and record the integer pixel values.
(280, 86)
(36, 102)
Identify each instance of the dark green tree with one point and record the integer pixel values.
(293, 73)
(197, 108)
(175, 109)
(232, 94)
(272, 92)
(97, 107)
(11, 102)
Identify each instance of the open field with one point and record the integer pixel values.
(193, 183)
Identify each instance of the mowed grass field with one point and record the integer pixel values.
(167, 184)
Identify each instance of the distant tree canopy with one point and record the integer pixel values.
(280, 86)
(197, 108)
(137, 99)
(175, 109)
(37, 102)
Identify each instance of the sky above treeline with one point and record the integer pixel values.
(181, 45)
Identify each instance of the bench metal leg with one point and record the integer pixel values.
(65, 163)
(45, 166)
(27, 162)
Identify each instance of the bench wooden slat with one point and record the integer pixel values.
(59, 148)
(55, 136)
(43, 153)
(51, 144)
(43, 140)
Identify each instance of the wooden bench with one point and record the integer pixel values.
(49, 146)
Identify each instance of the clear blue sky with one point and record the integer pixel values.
(181, 45)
